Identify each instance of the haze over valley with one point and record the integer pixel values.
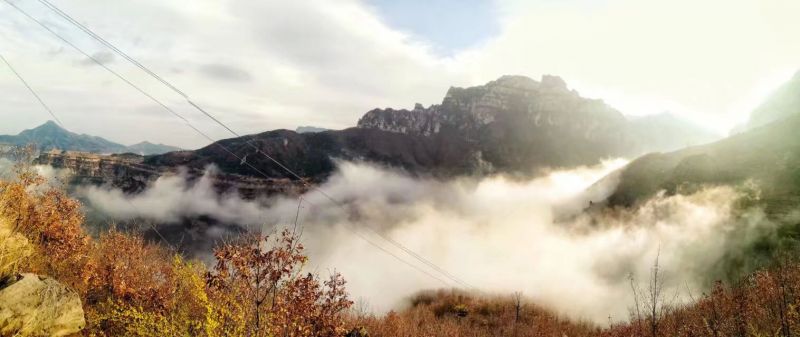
(511, 202)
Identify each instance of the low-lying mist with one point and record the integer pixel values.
(499, 235)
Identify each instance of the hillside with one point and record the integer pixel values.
(782, 103)
(768, 156)
(514, 125)
(50, 136)
(118, 284)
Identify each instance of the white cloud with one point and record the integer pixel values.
(496, 234)
(312, 62)
(326, 62)
(702, 59)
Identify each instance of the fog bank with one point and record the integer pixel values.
(497, 234)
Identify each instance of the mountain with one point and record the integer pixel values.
(667, 132)
(767, 156)
(782, 103)
(513, 124)
(147, 148)
(310, 129)
(50, 136)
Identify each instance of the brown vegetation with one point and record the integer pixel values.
(130, 287)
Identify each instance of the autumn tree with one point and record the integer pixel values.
(261, 279)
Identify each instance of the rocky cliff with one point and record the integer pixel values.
(519, 124)
(514, 125)
(129, 173)
(545, 103)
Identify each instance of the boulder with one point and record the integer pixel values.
(36, 305)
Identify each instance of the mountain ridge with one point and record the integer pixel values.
(767, 157)
(513, 125)
(50, 135)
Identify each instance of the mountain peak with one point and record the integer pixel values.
(552, 81)
(517, 80)
(49, 128)
(49, 125)
(50, 135)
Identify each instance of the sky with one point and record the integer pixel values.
(262, 64)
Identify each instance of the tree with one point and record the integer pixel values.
(261, 277)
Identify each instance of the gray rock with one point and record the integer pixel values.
(39, 306)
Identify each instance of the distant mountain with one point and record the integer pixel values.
(52, 136)
(147, 148)
(768, 156)
(782, 103)
(667, 132)
(514, 124)
(310, 129)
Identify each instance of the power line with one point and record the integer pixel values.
(38, 98)
(247, 140)
(32, 91)
(147, 70)
(214, 141)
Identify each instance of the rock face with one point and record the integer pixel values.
(123, 171)
(39, 306)
(130, 173)
(518, 124)
(513, 125)
(468, 110)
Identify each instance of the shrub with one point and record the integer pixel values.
(14, 251)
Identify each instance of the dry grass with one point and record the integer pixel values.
(15, 249)
(129, 287)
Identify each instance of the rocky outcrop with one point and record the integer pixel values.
(122, 171)
(547, 102)
(513, 125)
(517, 124)
(130, 173)
(35, 305)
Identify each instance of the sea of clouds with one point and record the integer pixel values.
(547, 237)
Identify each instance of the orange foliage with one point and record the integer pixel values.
(130, 287)
(457, 313)
(46, 216)
(271, 296)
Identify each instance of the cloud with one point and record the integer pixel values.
(104, 57)
(497, 234)
(708, 61)
(341, 59)
(225, 72)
